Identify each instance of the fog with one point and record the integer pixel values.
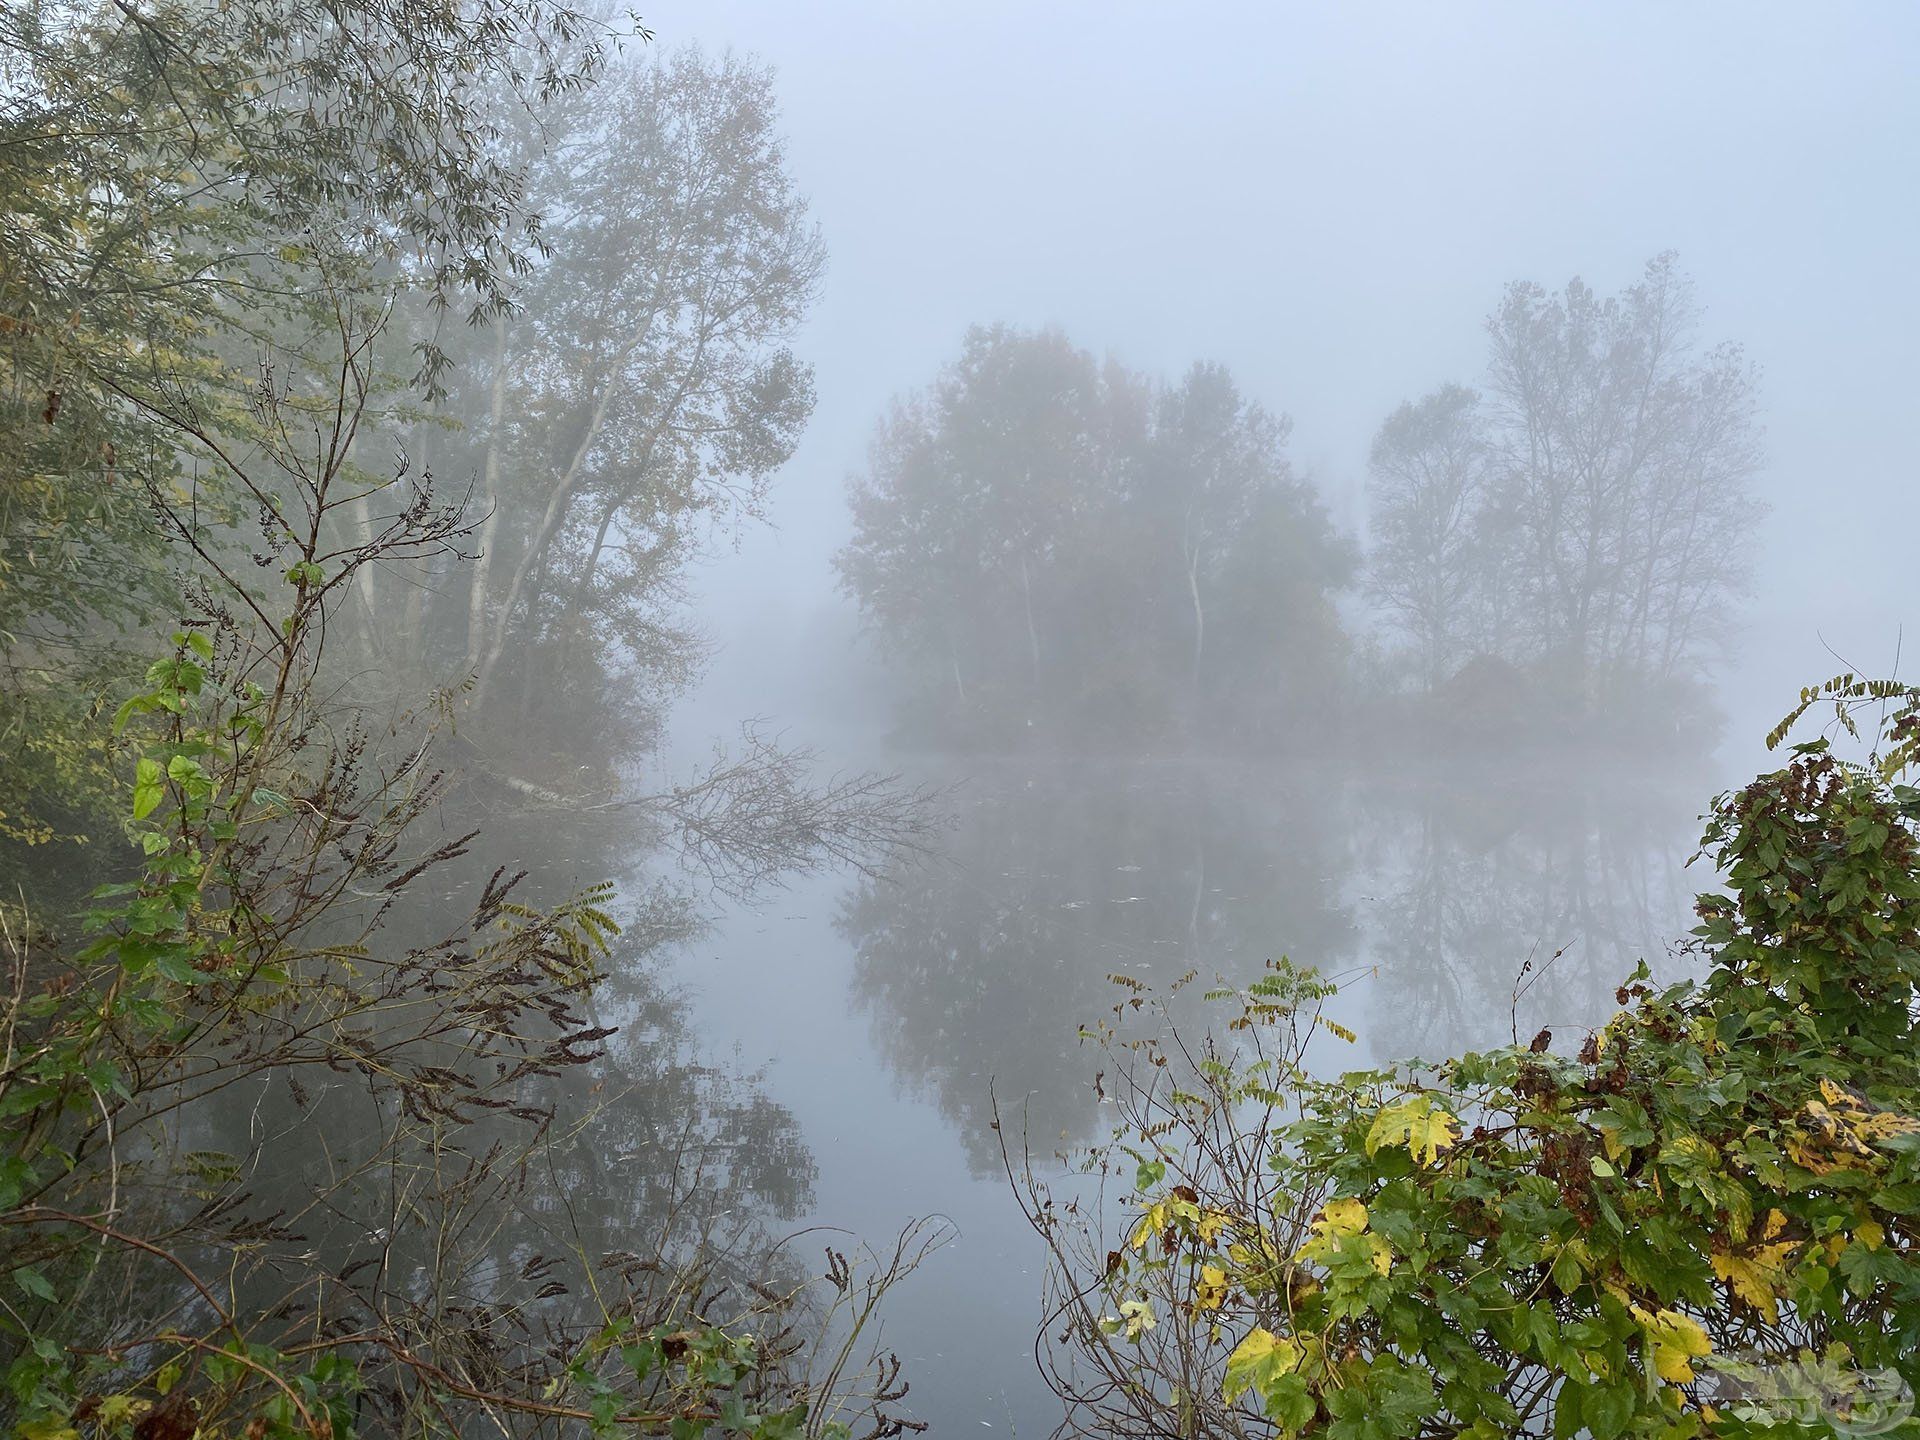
(1328, 201)
(951, 505)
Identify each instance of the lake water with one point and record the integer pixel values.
(878, 1016)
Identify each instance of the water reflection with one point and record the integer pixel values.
(982, 964)
(1430, 894)
(974, 967)
(1498, 908)
(630, 1170)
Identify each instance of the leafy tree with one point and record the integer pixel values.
(1432, 478)
(215, 219)
(970, 505)
(1588, 517)
(1722, 1186)
(1218, 512)
(1057, 546)
(175, 175)
(642, 393)
(249, 948)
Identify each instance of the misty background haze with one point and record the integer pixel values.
(1329, 202)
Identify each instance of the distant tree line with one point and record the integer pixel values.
(1058, 548)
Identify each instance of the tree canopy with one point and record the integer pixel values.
(1058, 546)
(1587, 517)
(251, 257)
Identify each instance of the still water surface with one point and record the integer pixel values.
(884, 1011)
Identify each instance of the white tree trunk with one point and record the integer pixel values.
(490, 502)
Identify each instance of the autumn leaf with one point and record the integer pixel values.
(1210, 1291)
(1759, 1274)
(1343, 1222)
(1345, 1216)
(1416, 1123)
(1152, 1223)
(1677, 1342)
(1259, 1360)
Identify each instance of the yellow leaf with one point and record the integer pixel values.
(1677, 1342)
(1264, 1344)
(1151, 1224)
(1339, 1223)
(1259, 1359)
(1210, 1293)
(1754, 1280)
(1417, 1124)
(1827, 1139)
(1807, 1157)
(1342, 1217)
(1886, 1125)
(1759, 1274)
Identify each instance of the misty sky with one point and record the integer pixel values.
(1328, 199)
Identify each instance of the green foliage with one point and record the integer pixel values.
(1724, 1183)
(197, 966)
(212, 215)
(178, 179)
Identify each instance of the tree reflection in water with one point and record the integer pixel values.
(1503, 908)
(1429, 895)
(636, 1175)
(978, 966)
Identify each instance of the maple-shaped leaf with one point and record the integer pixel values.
(1259, 1360)
(1758, 1274)
(1417, 1123)
(1677, 1342)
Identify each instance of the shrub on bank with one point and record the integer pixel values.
(1704, 1222)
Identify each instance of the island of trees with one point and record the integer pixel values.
(1059, 549)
